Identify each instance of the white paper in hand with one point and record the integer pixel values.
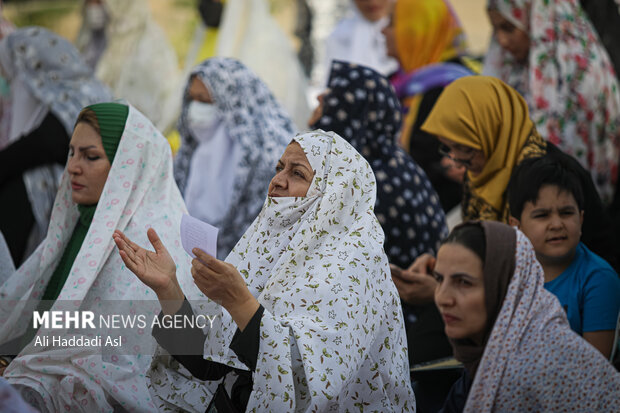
(198, 234)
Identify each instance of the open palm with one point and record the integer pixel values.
(155, 269)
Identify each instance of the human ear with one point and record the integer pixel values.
(514, 222)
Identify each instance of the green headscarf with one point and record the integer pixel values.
(111, 118)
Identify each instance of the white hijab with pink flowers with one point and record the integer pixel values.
(140, 192)
(568, 81)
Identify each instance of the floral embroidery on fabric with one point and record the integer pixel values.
(568, 82)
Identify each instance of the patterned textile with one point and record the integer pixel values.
(55, 75)
(257, 123)
(332, 334)
(139, 193)
(485, 114)
(533, 361)
(362, 108)
(568, 82)
(53, 71)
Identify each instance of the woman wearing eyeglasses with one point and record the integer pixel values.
(484, 126)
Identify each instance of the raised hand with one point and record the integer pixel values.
(155, 269)
(222, 283)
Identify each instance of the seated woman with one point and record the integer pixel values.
(309, 318)
(131, 54)
(549, 52)
(484, 125)
(427, 39)
(233, 132)
(49, 85)
(118, 176)
(510, 333)
(360, 105)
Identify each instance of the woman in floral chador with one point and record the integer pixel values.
(118, 176)
(233, 131)
(312, 320)
(549, 51)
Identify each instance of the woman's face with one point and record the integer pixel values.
(293, 173)
(472, 159)
(373, 10)
(510, 37)
(198, 91)
(460, 292)
(390, 39)
(88, 165)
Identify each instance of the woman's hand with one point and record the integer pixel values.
(222, 283)
(415, 284)
(155, 269)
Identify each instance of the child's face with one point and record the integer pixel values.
(553, 224)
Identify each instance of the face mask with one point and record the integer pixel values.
(202, 118)
(95, 16)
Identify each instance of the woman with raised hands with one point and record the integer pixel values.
(309, 318)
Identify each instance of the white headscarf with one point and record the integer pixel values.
(249, 33)
(139, 193)
(533, 361)
(358, 40)
(568, 82)
(139, 63)
(332, 332)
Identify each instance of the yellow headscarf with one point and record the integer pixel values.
(486, 114)
(426, 32)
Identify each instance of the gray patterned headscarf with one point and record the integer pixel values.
(257, 123)
(53, 71)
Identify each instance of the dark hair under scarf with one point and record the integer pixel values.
(361, 106)
(498, 268)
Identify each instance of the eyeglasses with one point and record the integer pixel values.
(445, 150)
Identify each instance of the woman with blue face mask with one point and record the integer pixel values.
(232, 132)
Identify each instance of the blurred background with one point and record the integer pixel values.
(179, 19)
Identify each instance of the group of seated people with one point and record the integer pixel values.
(335, 270)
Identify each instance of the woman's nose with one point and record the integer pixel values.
(278, 181)
(502, 39)
(443, 297)
(73, 166)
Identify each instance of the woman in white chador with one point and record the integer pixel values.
(118, 176)
(250, 34)
(131, 54)
(310, 319)
(358, 38)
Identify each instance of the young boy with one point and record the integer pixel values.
(546, 203)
